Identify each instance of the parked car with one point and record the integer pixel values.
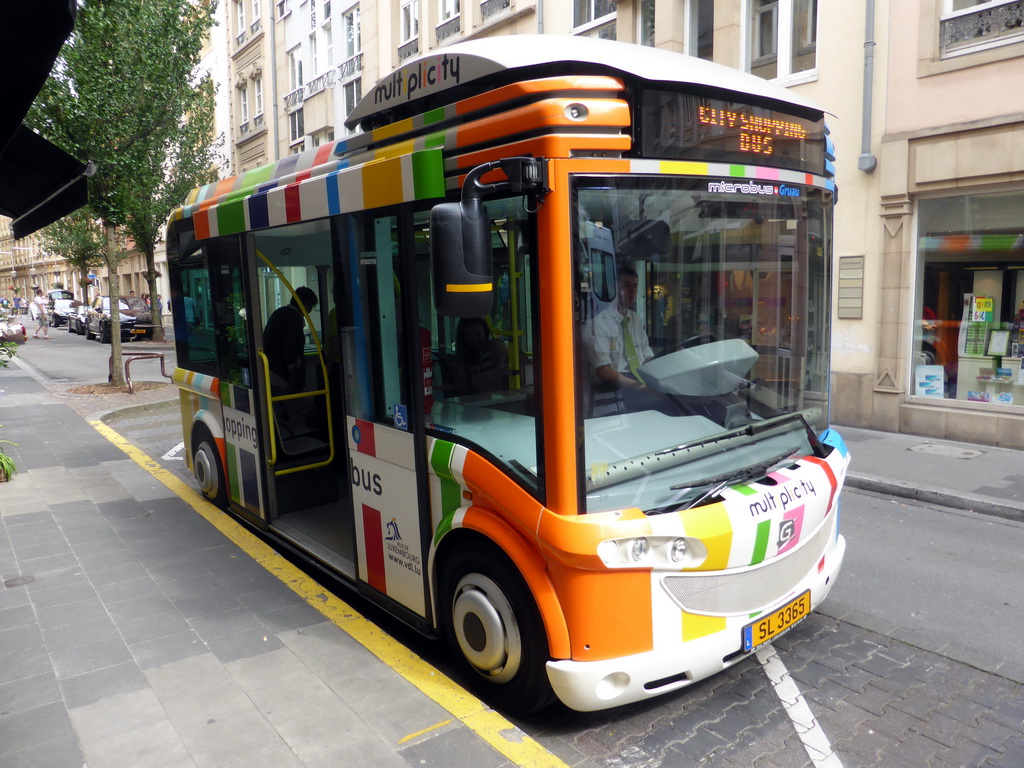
(12, 329)
(57, 293)
(76, 321)
(136, 320)
(61, 310)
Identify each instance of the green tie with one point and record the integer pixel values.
(631, 358)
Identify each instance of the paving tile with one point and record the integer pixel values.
(266, 669)
(450, 747)
(25, 662)
(156, 745)
(29, 693)
(228, 622)
(119, 714)
(82, 690)
(139, 607)
(21, 730)
(63, 752)
(144, 628)
(67, 636)
(187, 676)
(290, 617)
(282, 756)
(89, 658)
(167, 649)
(244, 644)
(71, 613)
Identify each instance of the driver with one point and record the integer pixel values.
(619, 346)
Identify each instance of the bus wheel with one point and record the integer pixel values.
(207, 469)
(493, 625)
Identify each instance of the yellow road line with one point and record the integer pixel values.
(416, 735)
(489, 725)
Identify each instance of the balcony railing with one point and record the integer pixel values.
(326, 80)
(243, 129)
(295, 98)
(490, 8)
(991, 25)
(350, 67)
(408, 49)
(240, 39)
(255, 27)
(257, 122)
(450, 28)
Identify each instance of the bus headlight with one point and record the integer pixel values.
(667, 552)
(639, 549)
(677, 550)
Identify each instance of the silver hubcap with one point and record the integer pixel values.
(486, 628)
(203, 468)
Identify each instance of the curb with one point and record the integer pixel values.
(129, 410)
(943, 497)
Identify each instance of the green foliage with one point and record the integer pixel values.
(78, 238)
(7, 466)
(119, 92)
(8, 349)
(120, 95)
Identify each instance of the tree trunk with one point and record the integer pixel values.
(158, 321)
(113, 259)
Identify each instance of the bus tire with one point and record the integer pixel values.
(493, 627)
(207, 468)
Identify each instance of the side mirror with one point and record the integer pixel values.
(460, 252)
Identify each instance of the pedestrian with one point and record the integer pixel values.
(38, 310)
(17, 304)
(159, 305)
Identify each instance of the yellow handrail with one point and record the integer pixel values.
(326, 391)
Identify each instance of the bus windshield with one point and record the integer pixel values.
(702, 334)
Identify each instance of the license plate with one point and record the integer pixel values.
(773, 624)
(138, 330)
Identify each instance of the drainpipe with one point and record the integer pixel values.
(540, 17)
(868, 162)
(273, 74)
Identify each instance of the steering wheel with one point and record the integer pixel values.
(700, 338)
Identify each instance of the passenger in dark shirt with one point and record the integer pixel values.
(284, 340)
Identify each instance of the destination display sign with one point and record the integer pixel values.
(686, 126)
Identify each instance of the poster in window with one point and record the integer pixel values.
(928, 381)
(998, 344)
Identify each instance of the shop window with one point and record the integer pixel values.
(968, 335)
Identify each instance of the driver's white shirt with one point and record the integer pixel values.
(607, 344)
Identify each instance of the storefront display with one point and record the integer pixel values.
(970, 299)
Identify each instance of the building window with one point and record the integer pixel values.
(314, 54)
(257, 88)
(329, 45)
(350, 24)
(449, 9)
(243, 101)
(282, 8)
(783, 37)
(255, 9)
(701, 41)
(296, 127)
(646, 32)
(295, 68)
(240, 15)
(594, 18)
(410, 20)
(969, 331)
(968, 26)
(353, 91)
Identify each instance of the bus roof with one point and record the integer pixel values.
(448, 74)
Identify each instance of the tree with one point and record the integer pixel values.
(189, 164)
(118, 94)
(78, 238)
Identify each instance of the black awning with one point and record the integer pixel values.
(31, 36)
(39, 183)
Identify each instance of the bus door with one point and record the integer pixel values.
(383, 426)
(295, 383)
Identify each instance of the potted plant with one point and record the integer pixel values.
(8, 468)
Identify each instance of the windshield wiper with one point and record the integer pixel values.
(722, 481)
(667, 458)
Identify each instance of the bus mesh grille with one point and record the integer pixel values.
(750, 590)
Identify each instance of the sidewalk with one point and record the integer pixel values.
(133, 632)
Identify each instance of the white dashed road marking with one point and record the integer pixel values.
(808, 729)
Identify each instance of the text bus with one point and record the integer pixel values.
(539, 361)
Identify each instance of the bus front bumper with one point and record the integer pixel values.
(592, 685)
